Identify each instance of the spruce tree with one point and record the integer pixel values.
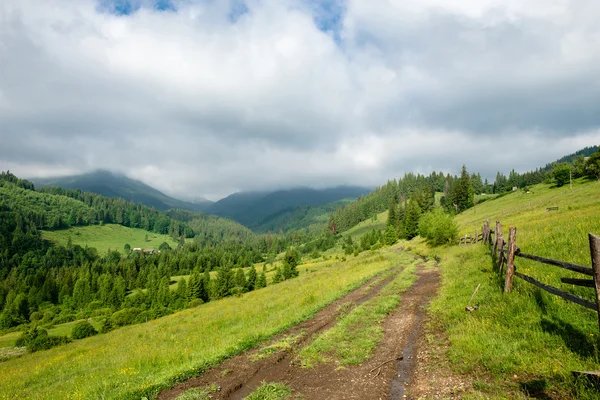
(251, 278)
(261, 280)
(240, 280)
(290, 261)
(390, 236)
(205, 287)
(223, 282)
(278, 277)
(411, 220)
(193, 289)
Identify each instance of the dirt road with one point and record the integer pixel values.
(386, 375)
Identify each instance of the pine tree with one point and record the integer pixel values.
(251, 278)
(181, 294)
(462, 191)
(206, 287)
(240, 281)
(411, 221)
(261, 280)
(223, 282)
(390, 236)
(193, 287)
(392, 217)
(278, 277)
(290, 261)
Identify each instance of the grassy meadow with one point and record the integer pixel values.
(378, 223)
(525, 343)
(109, 236)
(138, 360)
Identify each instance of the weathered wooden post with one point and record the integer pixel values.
(465, 239)
(495, 238)
(510, 259)
(499, 243)
(476, 237)
(595, 253)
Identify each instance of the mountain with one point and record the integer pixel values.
(272, 211)
(111, 184)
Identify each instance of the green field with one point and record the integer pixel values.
(109, 236)
(366, 226)
(138, 360)
(525, 343)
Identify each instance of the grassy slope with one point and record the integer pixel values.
(366, 226)
(139, 359)
(528, 342)
(109, 236)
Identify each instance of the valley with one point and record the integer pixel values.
(363, 309)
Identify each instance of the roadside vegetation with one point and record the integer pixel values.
(139, 360)
(528, 342)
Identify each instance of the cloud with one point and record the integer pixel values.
(203, 98)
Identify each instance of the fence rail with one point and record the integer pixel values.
(505, 256)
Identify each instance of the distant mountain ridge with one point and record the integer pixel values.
(111, 184)
(259, 210)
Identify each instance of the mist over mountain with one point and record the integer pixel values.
(257, 209)
(112, 184)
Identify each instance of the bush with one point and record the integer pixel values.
(561, 174)
(106, 326)
(437, 227)
(36, 339)
(83, 329)
(126, 316)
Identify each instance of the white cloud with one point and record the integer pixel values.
(196, 104)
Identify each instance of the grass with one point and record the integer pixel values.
(270, 391)
(9, 339)
(360, 229)
(352, 340)
(525, 343)
(560, 235)
(284, 344)
(109, 236)
(137, 361)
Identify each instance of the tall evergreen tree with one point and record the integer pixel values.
(411, 219)
(252, 278)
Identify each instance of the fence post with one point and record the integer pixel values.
(476, 236)
(595, 253)
(510, 259)
(495, 238)
(499, 243)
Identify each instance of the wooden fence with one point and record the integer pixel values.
(506, 252)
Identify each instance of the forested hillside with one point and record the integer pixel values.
(110, 184)
(280, 210)
(458, 191)
(49, 283)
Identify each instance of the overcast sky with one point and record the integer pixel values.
(209, 97)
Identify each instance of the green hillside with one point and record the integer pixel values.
(283, 209)
(528, 334)
(109, 237)
(111, 184)
(166, 350)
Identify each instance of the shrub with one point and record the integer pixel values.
(106, 326)
(561, 174)
(36, 339)
(83, 329)
(126, 316)
(437, 227)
